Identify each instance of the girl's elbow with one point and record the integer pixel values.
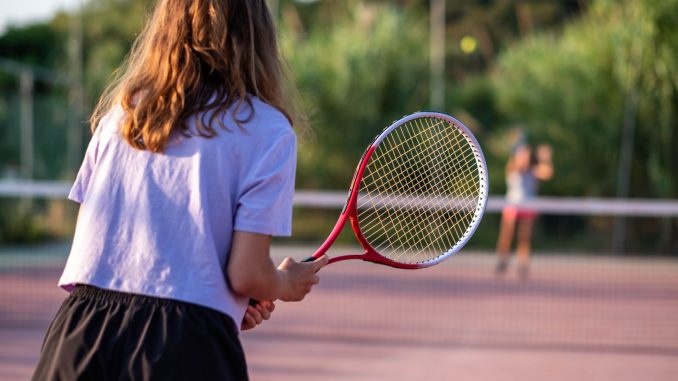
(244, 284)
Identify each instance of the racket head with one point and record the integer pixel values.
(419, 192)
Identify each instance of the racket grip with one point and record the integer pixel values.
(309, 259)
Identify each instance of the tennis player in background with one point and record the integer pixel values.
(525, 168)
(189, 173)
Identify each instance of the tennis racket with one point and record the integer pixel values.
(417, 195)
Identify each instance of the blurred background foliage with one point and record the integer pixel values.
(574, 74)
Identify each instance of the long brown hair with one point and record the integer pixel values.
(195, 56)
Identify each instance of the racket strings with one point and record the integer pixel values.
(427, 236)
(419, 191)
(433, 225)
(424, 234)
(397, 215)
(407, 189)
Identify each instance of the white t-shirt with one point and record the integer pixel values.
(162, 224)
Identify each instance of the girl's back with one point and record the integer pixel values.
(147, 217)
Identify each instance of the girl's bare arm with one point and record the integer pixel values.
(251, 271)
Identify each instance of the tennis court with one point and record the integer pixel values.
(594, 317)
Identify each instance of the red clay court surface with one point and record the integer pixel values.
(581, 318)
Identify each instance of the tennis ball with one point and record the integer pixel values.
(468, 44)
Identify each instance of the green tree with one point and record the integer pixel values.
(572, 90)
(356, 77)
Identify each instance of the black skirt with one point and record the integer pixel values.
(106, 335)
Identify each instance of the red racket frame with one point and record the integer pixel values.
(350, 210)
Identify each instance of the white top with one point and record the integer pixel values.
(161, 224)
(521, 186)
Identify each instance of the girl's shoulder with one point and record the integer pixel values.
(263, 112)
(110, 123)
(259, 118)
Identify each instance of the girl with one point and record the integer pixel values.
(523, 172)
(189, 173)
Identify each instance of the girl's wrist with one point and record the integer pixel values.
(283, 289)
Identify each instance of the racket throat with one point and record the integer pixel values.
(349, 256)
(336, 231)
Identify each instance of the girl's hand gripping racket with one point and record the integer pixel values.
(418, 194)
